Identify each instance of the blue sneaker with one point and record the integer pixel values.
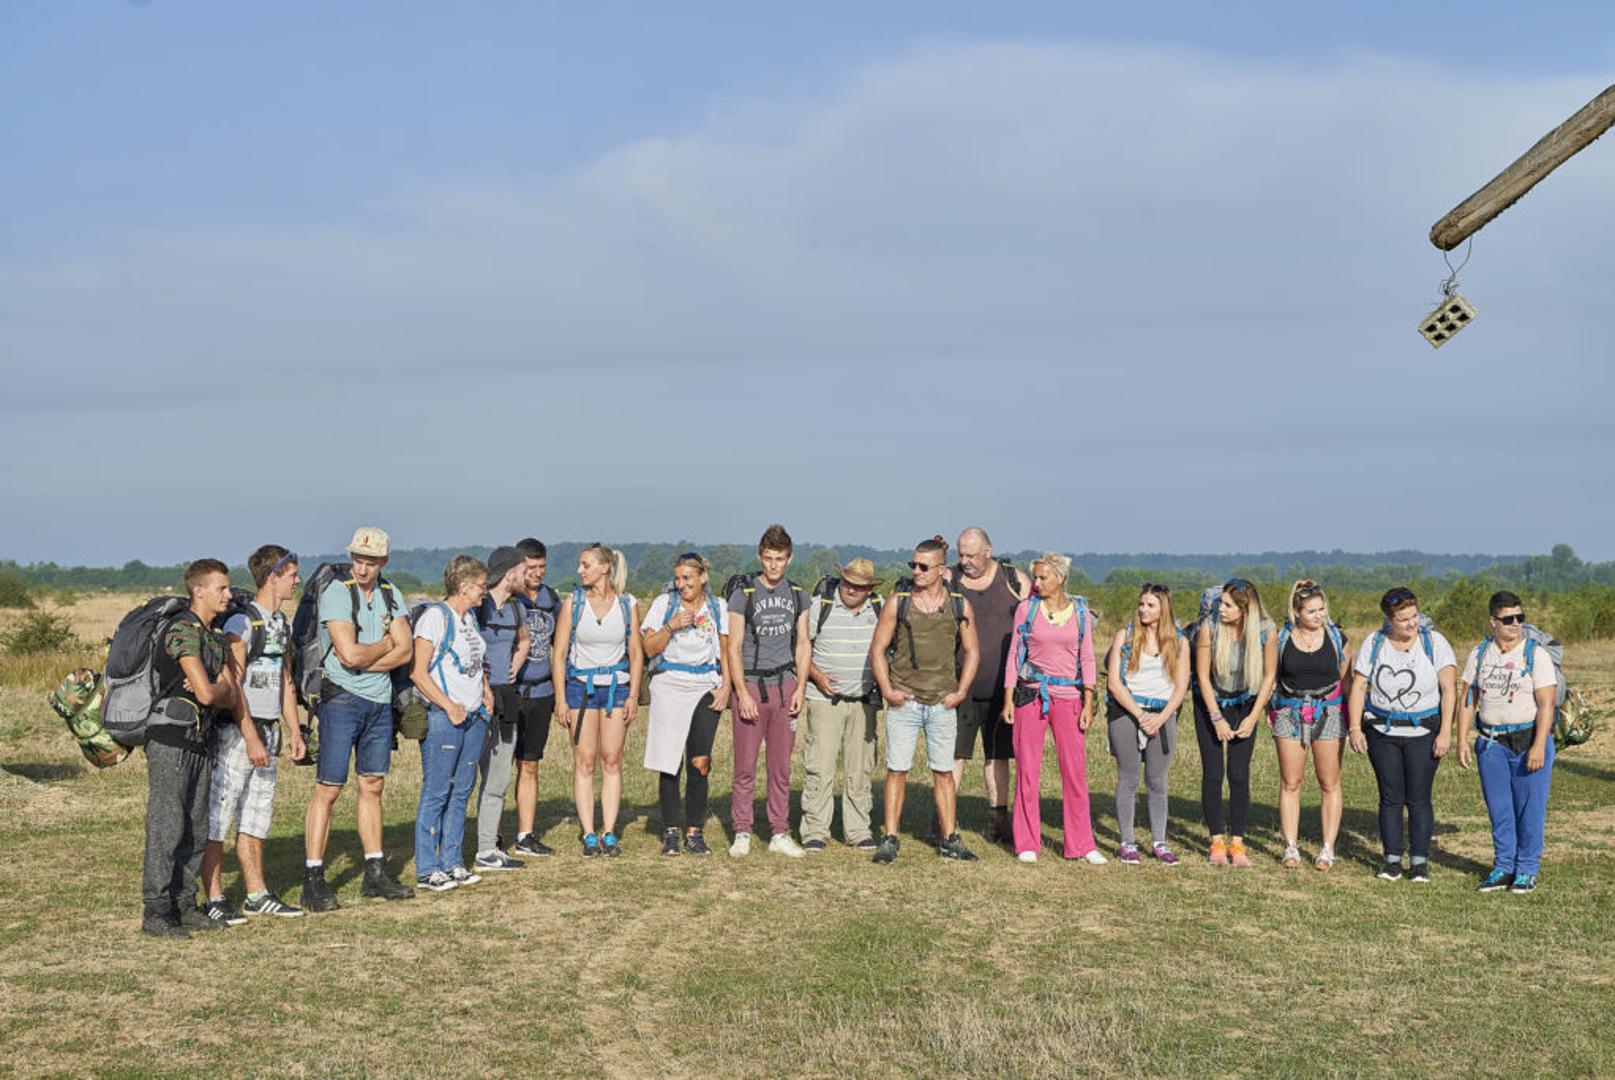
(1523, 883)
(608, 845)
(1497, 879)
(591, 845)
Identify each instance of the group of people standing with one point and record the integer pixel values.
(978, 648)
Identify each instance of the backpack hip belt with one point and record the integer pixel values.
(1228, 701)
(1393, 717)
(1491, 731)
(1149, 704)
(691, 669)
(1308, 706)
(587, 676)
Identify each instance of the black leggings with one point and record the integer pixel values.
(1406, 771)
(1239, 753)
(703, 727)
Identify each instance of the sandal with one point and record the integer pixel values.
(1236, 854)
(1326, 859)
(1219, 854)
(1292, 857)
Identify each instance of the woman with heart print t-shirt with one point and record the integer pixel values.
(1400, 713)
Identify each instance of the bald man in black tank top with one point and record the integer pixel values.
(993, 592)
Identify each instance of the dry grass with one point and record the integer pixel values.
(829, 966)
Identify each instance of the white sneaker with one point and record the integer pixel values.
(782, 844)
(462, 876)
(741, 847)
(1093, 858)
(1027, 856)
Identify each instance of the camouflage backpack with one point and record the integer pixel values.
(77, 700)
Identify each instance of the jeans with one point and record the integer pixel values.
(176, 826)
(1517, 801)
(903, 727)
(1405, 767)
(448, 772)
(350, 724)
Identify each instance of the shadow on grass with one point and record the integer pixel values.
(44, 771)
(1578, 768)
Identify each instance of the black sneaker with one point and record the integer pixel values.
(317, 895)
(1390, 871)
(531, 846)
(591, 845)
(1420, 872)
(954, 848)
(696, 844)
(886, 850)
(670, 841)
(609, 845)
(866, 844)
(813, 847)
(192, 917)
(381, 885)
(163, 924)
(270, 904)
(221, 911)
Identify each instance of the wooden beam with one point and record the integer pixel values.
(1505, 189)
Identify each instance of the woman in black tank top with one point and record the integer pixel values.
(1307, 712)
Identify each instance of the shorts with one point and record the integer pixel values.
(530, 716)
(1328, 723)
(597, 695)
(987, 717)
(356, 726)
(903, 727)
(241, 793)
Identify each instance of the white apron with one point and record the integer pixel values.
(673, 697)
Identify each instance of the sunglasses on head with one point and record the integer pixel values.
(1155, 587)
(1398, 595)
(289, 557)
(1510, 620)
(690, 555)
(1238, 585)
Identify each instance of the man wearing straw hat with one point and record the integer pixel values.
(840, 707)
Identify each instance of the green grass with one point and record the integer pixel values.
(829, 966)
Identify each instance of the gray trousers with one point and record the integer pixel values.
(176, 826)
(498, 759)
(1155, 757)
(845, 730)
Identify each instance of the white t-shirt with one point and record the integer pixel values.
(601, 643)
(460, 673)
(262, 678)
(692, 645)
(1150, 680)
(1404, 682)
(1507, 694)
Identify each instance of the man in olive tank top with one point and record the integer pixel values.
(993, 589)
(931, 635)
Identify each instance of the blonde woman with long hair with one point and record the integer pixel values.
(1236, 661)
(1147, 677)
(604, 662)
(1307, 712)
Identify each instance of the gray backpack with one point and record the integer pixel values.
(133, 695)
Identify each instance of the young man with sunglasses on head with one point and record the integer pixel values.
(246, 743)
(930, 634)
(1508, 691)
(993, 589)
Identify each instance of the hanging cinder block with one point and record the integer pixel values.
(1453, 315)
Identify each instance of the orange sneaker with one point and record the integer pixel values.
(1236, 854)
(1219, 854)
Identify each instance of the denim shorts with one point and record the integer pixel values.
(597, 695)
(903, 727)
(356, 726)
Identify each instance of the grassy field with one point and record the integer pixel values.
(830, 966)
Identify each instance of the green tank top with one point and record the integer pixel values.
(933, 675)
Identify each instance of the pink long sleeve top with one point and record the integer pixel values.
(1053, 650)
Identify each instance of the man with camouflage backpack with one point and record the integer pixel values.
(246, 743)
(193, 684)
(364, 635)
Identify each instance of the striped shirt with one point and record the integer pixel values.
(841, 650)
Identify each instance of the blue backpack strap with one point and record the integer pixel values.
(1024, 632)
(1474, 687)
(1429, 643)
(712, 606)
(1336, 638)
(1082, 630)
(1127, 652)
(1284, 636)
(443, 647)
(1530, 656)
(1373, 651)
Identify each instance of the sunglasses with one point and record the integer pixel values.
(918, 566)
(1398, 595)
(289, 557)
(1510, 620)
(1154, 587)
(1238, 585)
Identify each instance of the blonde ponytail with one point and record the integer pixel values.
(616, 565)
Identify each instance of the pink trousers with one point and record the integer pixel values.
(775, 727)
(1031, 728)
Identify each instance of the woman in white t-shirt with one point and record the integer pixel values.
(1147, 676)
(1400, 713)
(604, 660)
(685, 632)
(448, 673)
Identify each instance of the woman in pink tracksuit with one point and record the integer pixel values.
(1050, 684)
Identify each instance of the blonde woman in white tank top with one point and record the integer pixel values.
(604, 663)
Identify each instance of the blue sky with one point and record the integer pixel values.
(1097, 279)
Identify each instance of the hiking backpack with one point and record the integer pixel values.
(1427, 627)
(1572, 720)
(659, 662)
(747, 583)
(1025, 670)
(824, 598)
(1337, 637)
(1210, 602)
(409, 704)
(132, 692)
(903, 593)
(308, 658)
(244, 602)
